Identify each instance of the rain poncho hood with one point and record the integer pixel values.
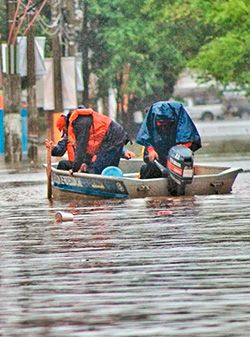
(182, 131)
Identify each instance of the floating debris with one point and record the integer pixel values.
(164, 213)
(63, 216)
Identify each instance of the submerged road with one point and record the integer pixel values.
(123, 268)
(224, 129)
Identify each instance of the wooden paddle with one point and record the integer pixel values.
(48, 169)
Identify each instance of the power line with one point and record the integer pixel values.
(14, 22)
(26, 9)
(35, 16)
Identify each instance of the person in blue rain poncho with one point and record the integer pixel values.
(166, 124)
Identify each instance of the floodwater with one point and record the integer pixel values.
(123, 268)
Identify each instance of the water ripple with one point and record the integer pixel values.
(124, 268)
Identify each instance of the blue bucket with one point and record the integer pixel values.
(112, 171)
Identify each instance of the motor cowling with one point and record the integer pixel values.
(180, 167)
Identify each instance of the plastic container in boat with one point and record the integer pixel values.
(112, 171)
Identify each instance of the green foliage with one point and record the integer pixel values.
(3, 21)
(226, 58)
(140, 47)
(212, 36)
(226, 55)
(131, 37)
(156, 39)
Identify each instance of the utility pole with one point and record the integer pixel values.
(1, 104)
(85, 54)
(56, 50)
(12, 96)
(70, 17)
(31, 91)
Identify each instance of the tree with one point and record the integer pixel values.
(3, 21)
(133, 51)
(225, 53)
(12, 93)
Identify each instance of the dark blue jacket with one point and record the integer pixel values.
(60, 148)
(183, 129)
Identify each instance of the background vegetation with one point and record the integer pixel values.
(140, 47)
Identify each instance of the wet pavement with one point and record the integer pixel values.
(224, 129)
(124, 268)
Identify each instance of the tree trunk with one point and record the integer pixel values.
(12, 124)
(70, 17)
(12, 97)
(57, 53)
(31, 90)
(56, 48)
(85, 55)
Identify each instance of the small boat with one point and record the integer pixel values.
(207, 179)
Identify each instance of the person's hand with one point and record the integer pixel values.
(93, 158)
(70, 172)
(129, 154)
(49, 144)
(152, 154)
(188, 144)
(83, 168)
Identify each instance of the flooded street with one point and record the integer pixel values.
(124, 268)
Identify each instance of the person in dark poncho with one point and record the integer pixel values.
(166, 124)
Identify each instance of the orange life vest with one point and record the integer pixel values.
(98, 129)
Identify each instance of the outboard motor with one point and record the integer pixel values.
(180, 168)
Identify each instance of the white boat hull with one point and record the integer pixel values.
(207, 180)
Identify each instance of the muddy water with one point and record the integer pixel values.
(123, 268)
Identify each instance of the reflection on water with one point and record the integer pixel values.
(124, 268)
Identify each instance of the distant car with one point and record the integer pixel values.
(205, 110)
(239, 109)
